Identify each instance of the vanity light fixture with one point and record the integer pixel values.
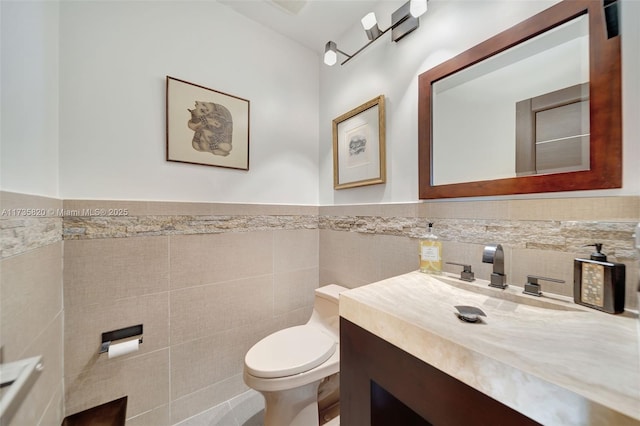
(403, 21)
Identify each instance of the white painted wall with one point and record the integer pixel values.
(100, 133)
(449, 27)
(29, 97)
(114, 57)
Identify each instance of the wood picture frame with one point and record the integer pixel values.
(359, 154)
(206, 126)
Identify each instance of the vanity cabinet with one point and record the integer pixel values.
(380, 384)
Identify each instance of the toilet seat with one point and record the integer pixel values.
(290, 351)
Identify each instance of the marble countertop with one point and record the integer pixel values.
(548, 358)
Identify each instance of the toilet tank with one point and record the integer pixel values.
(325, 307)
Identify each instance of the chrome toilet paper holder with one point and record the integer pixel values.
(122, 333)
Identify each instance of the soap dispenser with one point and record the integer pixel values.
(598, 283)
(430, 253)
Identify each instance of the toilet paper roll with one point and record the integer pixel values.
(120, 349)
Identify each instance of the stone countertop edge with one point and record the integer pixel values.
(413, 312)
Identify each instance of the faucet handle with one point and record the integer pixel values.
(533, 288)
(466, 274)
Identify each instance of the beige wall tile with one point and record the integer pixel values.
(101, 270)
(399, 210)
(47, 344)
(201, 363)
(16, 200)
(352, 210)
(382, 210)
(622, 208)
(294, 290)
(84, 325)
(545, 263)
(144, 379)
(170, 208)
(157, 417)
(208, 259)
(264, 209)
(164, 208)
(202, 311)
(340, 277)
(248, 407)
(212, 288)
(112, 207)
(30, 297)
(219, 415)
(492, 209)
(351, 256)
(205, 398)
(54, 414)
(295, 249)
(396, 255)
(289, 319)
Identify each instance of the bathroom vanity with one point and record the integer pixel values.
(406, 355)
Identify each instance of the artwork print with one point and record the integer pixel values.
(359, 146)
(212, 125)
(358, 151)
(205, 126)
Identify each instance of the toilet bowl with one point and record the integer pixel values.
(288, 366)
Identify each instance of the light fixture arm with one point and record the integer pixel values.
(346, 54)
(402, 24)
(349, 57)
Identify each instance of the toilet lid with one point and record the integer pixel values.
(290, 351)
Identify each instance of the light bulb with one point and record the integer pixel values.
(330, 53)
(330, 57)
(417, 7)
(369, 21)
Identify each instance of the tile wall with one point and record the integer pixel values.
(209, 280)
(31, 301)
(361, 244)
(206, 280)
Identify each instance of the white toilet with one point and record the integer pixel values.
(288, 366)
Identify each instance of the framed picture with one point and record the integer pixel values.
(359, 146)
(205, 126)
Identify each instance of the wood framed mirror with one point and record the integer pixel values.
(603, 142)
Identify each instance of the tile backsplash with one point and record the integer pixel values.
(360, 244)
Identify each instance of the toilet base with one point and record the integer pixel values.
(292, 407)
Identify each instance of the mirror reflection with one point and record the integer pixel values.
(523, 111)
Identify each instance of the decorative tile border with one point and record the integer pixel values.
(85, 219)
(28, 222)
(86, 227)
(563, 236)
(19, 235)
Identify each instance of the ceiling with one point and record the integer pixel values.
(310, 22)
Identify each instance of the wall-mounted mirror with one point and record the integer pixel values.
(536, 108)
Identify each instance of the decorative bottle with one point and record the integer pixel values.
(430, 253)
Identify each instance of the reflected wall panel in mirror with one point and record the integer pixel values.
(597, 66)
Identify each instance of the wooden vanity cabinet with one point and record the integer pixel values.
(382, 385)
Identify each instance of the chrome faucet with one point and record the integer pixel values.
(493, 253)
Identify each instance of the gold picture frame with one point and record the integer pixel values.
(359, 154)
(205, 126)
